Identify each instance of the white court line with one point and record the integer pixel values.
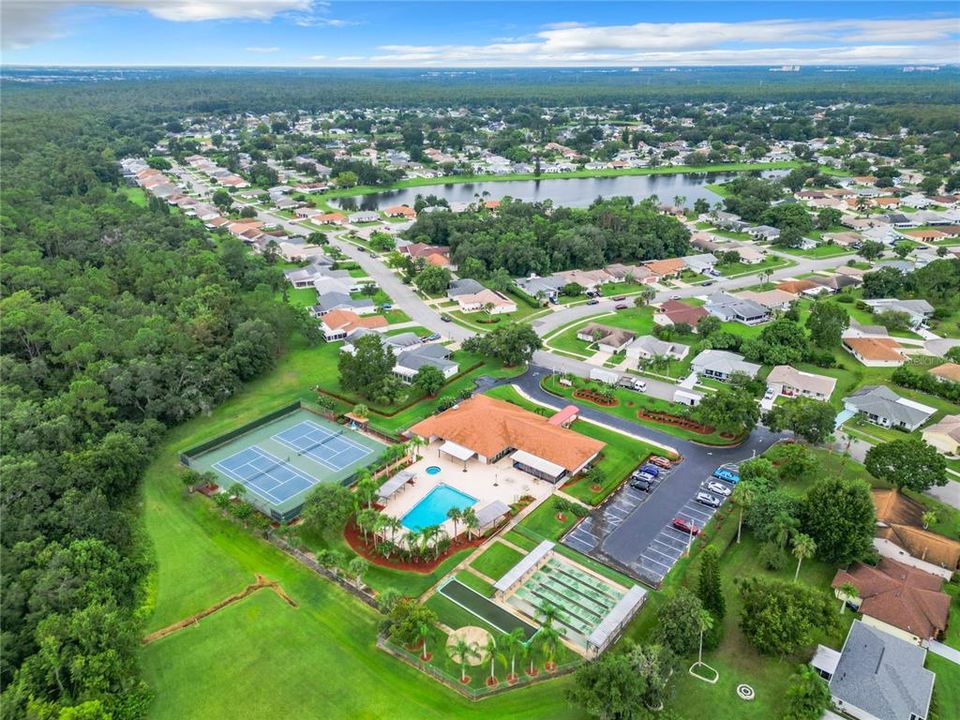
(342, 436)
(296, 471)
(316, 459)
(232, 475)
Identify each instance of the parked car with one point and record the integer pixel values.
(718, 488)
(618, 298)
(769, 393)
(659, 461)
(651, 470)
(686, 526)
(446, 318)
(593, 301)
(674, 297)
(706, 283)
(432, 337)
(621, 306)
(387, 306)
(640, 483)
(638, 475)
(632, 383)
(727, 475)
(705, 498)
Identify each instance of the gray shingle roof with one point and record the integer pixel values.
(882, 674)
(883, 402)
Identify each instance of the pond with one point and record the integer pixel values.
(571, 192)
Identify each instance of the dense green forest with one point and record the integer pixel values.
(538, 238)
(118, 321)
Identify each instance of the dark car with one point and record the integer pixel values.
(686, 526)
(641, 483)
(446, 318)
(593, 301)
(650, 469)
(622, 306)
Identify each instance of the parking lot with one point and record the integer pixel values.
(602, 534)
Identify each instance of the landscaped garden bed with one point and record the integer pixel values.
(596, 397)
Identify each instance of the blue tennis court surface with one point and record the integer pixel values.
(332, 449)
(265, 474)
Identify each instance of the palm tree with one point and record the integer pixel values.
(358, 568)
(743, 494)
(456, 515)
(470, 521)
(847, 591)
(515, 645)
(705, 621)
(424, 629)
(803, 548)
(549, 638)
(928, 518)
(366, 490)
(782, 525)
(417, 442)
(490, 650)
(463, 650)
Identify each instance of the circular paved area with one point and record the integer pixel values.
(475, 636)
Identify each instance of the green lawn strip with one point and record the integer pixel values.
(496, 560)
(510, 394)
(946, 688)
(454, 616)
(771, 262)
(543, 521)
(951, 636)
(824, 250)
(475, 582)
(629, 402)
(302, 297)
(520, 540)
(135, 195)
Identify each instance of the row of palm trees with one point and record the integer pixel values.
(390, 539)
(513, 646)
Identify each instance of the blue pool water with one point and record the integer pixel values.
(433, 470)
(432, 510)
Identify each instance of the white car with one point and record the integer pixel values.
(718, 488)
(707, 499)
(768, 394)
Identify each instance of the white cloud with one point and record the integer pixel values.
(26, 22)
(263, 50)
(768, 42)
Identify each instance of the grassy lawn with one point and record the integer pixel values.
(475, 582)
(629, 402)
(771, 262)
(824, 250)
(135, 195)
(201, 557)
(637, 320)
(952, 635)
(544, 522)
(496, 560)
(946, 688)
(623, 288)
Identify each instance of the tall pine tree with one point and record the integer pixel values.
(708, 590)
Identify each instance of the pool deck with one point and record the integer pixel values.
(484, 482)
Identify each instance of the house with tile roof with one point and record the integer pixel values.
(882, 406)
(945, 435)
(900, 523)
(948, 372)
(608, 339)
(647, 347)
(676, 312)
(337, 324)
(486, 299)
(788, 381)
(490, 429)
(666, 268)
(897, 598)
(876, 676)
(875, 351)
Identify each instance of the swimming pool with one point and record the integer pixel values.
(432, 510)
(433, 470)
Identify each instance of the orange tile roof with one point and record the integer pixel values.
(795, 286)
(404, 210)
(437, 259)
(347, 320)
(668, 266)
(899, 595)
(947, 371)
(875, 348)
(489, 426)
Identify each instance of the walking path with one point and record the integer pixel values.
(944, 651)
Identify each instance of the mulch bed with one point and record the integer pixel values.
(365, 548)
(595, 398)
(677, 421)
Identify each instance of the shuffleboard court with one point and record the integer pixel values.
(485, 609)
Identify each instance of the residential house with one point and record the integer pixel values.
(796, 287)
(749, 255)
(547, 288)
(876, 676)
(331, 218)
(882, 406)
(676, 312)
(464, 286)
(765, 233)
(588, 279)
(836, 282)
(897, 598)
(493, 302)
(788, 381)
(304, 277)
(947, 372)
(337, 324)
(647, 347)
(667, 268)
(733, 309)
(771, 299)
(728, 221)
(418, 250)
(435, 355)
(945, 435)
(491, 429)
(703, 263)
(918, 310)
(629, 273)
(721, 364)
(364, 216)
(335, 300)
(608, 339)
(901, 535)
(404, 211)
(875, 351)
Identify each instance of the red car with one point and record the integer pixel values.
(621, 306)
(620, 297)
(685, 526)
(660, 461)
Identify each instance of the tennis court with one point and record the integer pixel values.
(279, 461)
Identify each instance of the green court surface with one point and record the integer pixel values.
(483, 608)
(280, 460)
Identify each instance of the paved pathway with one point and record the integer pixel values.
(944, 651)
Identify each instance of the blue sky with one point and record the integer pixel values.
(477, 34)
